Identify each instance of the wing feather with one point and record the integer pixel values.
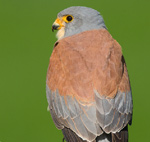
(65, 112)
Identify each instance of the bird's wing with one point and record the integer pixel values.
(88, 87)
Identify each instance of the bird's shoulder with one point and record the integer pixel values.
(85, 62)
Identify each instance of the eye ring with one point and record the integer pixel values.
(68, 18)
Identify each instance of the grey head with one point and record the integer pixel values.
(84, 19)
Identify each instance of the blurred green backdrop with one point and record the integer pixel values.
(26, 43)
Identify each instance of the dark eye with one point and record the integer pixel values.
(69, 18)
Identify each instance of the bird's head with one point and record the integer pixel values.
(77, 19)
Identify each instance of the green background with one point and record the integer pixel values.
(26, 43)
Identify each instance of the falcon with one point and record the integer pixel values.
(87, 86)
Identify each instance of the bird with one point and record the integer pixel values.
(87, 84)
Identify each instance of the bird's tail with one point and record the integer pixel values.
(121, 136)
(70, 136)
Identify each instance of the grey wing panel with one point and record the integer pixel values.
(114, 114)
(50, 97)
(67, 111)
(88, 122)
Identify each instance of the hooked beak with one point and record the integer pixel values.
(57, 25)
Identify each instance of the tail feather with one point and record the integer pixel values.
(122, 136)
(70, 136)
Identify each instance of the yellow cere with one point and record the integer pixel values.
(59, 22)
